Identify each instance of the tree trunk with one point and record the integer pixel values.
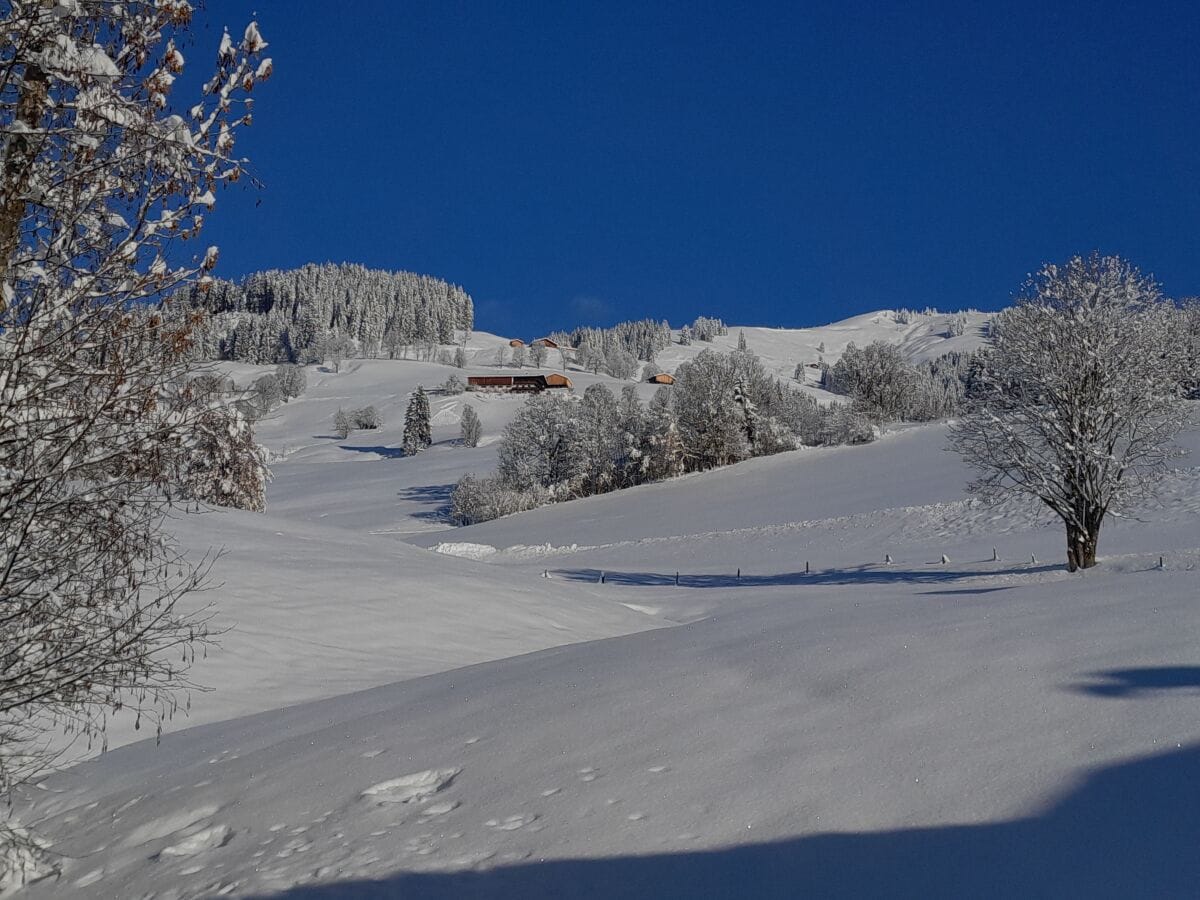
(1082, 541)
(19, 156)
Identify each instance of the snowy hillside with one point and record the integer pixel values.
(921, 338)
(843, 694)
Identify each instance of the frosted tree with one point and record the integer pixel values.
(877, 375)
(518, 356)
(537, 355)
(620, 363)
(342, 424)
(741, 344)
(292, 380)
(101, 185)
(338, 347)
(501, 355)
(224, 466)
(539, 448)
(1076, 401)
(460, 358)
(711, 424)
(416, 423)
(268, 392)
(685, 336)
(598, 441)
(471, 430)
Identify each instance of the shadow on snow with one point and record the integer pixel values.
(867, 574)
(1137, 682)
(1130, 830)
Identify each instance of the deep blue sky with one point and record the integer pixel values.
(781, 164)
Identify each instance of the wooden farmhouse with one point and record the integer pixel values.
(518, 384)
(516, 342)
(546, 342)
(661, 378)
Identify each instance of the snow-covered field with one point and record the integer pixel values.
(534, 707)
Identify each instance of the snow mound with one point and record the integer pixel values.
(465, 549)
(407, 788)
(206, 839)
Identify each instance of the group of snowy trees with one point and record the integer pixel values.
(705, 329)
(723, 407)
(889, 388)
(327, 313)
(642, 339)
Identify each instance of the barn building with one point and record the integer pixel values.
(516, 342)
(661, 378)
(518, 384)
(546, 342)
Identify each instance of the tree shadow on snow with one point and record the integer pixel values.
(1137, 682)
(430, 493)
(385, 452)
(867, 574)
(1130, 830)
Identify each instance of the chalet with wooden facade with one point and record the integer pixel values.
(546, 342)
(518, 384)
(516, 342)
(661, 378)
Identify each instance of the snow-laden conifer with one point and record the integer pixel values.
(470, 429)
(416, 423)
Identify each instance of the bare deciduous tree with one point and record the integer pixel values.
(1076, 402)
(99, 185)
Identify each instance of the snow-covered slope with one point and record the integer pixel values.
(883, 721)
(922, 337)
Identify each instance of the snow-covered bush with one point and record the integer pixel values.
(222, 464)
(452, 385)
(475, 499)
(367, 418)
